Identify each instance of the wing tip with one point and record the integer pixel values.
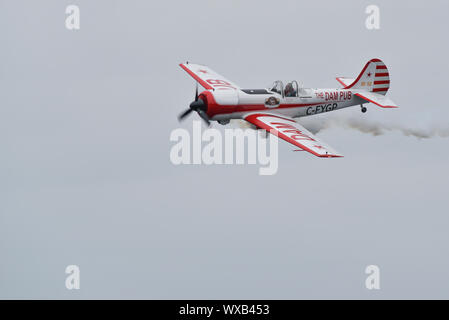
(331, 156)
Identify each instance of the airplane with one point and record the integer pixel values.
(275, 108)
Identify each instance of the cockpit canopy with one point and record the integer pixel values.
(291, 89)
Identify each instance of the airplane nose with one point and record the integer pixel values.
(199, 105)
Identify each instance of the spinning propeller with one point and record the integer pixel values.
(197, 105)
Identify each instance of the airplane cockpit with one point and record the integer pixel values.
(291, 89)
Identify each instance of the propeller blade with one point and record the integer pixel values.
(196, 91)
(204, 116)
(184, 114)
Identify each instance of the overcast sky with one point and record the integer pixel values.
(86, 179)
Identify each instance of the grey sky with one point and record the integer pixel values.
(85, 176)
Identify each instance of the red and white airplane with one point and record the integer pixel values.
(273, 109)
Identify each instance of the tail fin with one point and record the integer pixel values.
(373, 78)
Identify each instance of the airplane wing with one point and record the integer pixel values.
(208, 78)
(378, 99)
(291, 131)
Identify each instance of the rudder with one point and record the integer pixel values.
(373, 78)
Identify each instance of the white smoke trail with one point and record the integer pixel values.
(365, 125)
(376, 128)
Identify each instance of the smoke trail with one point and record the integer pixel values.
(373, 127)
(364, 125)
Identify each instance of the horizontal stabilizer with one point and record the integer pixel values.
(379, 99)
(345, 82)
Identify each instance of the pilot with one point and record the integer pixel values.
(289, 91)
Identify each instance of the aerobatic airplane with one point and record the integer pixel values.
(273, 109)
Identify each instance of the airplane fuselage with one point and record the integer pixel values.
(224, 105)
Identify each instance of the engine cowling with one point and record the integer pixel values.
(220, 101)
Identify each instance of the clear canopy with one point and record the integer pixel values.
(289, 90)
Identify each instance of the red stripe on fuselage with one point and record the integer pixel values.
(214, 108)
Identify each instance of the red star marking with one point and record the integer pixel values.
(369, 74)
(318, 147)
(203, 71)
